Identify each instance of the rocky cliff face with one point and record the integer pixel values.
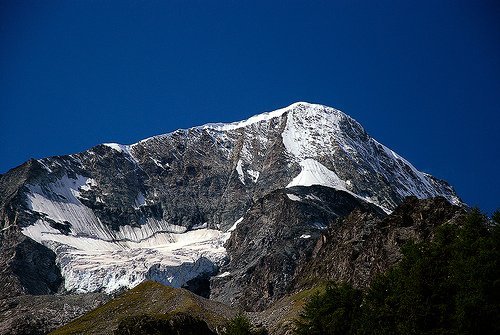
(295, 239)
(162, 209)
(40, 314)
(361, 245)
(276, 235)
(26, 267)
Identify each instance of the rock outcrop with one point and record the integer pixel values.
(356, 248)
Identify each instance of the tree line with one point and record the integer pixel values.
(449, 285)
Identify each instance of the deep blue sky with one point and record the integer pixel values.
(423, 77)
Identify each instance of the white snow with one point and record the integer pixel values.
(319, 225)
(228, 233)
(293, 197)
(200, 226)
(315, 173)
(254, 175)
(89, 183)
(310, 129)
(157, 162)
(239, 169)
(90, 264)
(126, 149)
(225, 274)
(233, 227)
(254, 119)
(312, 197)
(117, 147)
(59, 202)
(150, 229)
(305, 236)
(414, 182)
(44, 165)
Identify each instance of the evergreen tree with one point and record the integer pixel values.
(331, 312)
(240, 325)
(447, 286)
(450, 285)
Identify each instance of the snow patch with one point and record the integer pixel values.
(200, 226)
(222, 275)
(254, 175)
(233, 227)
(305, 236)
(228, 233)
(315, 173)
(319, 225)
(313, 197)
(44, 165)
(293, 197)
(60, 202)
(311, 128)
(239, 169)
(89, 183)
(158, 163)
(117, 147)
(125, 149)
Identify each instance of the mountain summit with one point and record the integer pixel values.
(163, 208)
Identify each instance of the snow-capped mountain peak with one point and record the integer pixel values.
(261, 117)
(162, 208)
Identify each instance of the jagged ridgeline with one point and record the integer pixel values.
(181, 208)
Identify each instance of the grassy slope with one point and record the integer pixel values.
(147, 298)
(280, 317)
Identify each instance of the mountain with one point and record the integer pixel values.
(196, 207)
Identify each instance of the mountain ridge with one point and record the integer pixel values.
(168, 201)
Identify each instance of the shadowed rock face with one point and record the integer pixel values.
(28, 268)
(358, 247)
(122, 201)
(285, 245)
(277, 235)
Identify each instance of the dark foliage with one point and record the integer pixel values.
(332, 312)
(175, 324)
(450, 285)
(240, 325)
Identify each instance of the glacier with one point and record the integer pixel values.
(93, 257)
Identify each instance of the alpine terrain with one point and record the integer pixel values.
(241, 213)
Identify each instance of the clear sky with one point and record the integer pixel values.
(422, 77)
